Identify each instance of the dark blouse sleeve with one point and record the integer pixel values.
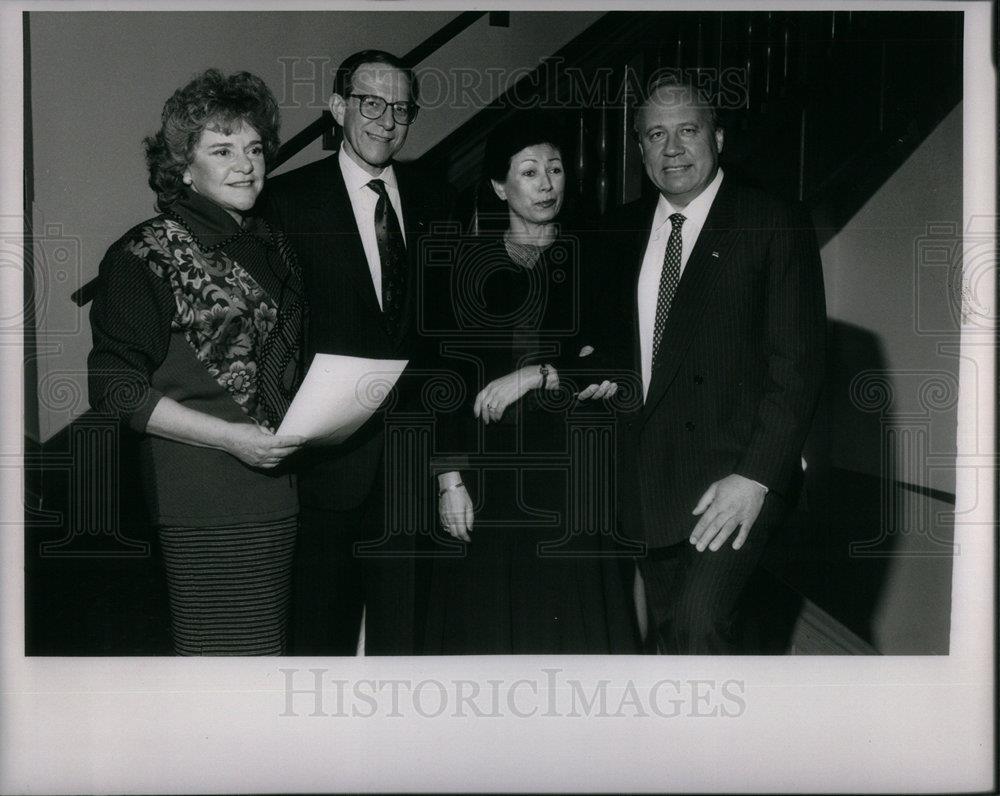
(130, 321)
(455, 426)
(451, 385)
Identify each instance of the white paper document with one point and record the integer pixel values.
(338, 395)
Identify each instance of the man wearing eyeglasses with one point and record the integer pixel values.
(356, 220)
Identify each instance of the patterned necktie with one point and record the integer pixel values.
(670, 276)
(392, 253)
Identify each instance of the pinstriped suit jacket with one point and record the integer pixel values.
(312, 206)
(740, 365)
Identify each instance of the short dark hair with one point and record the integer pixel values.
(210, 101)
(673, 78)
(522, 129)
(343, 83)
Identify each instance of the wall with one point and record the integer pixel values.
(98, 84)
(882, 560)
(889, 275)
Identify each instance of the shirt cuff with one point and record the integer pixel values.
(448, 463)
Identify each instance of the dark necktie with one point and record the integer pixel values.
(392, 253)
(670, 277)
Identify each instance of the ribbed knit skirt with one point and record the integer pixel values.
(229, 587)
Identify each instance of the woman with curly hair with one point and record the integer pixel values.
(197, 327)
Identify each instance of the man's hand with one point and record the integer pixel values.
(733, 502)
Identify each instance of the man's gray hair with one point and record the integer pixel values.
(674, 78)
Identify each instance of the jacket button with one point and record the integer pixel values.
(689, 425)
(699, 380)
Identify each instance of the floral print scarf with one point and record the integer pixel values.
(225, 315)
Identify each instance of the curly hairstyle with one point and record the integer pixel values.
(210, 101)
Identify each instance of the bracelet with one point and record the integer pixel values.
(449, 488)
(544, 371)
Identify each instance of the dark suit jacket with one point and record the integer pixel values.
(740, 365)
(312, 206)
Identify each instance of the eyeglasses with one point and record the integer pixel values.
(373, 107)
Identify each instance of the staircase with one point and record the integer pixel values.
(818, 107)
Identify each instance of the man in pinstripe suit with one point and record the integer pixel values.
(725, 299)
(357, 219)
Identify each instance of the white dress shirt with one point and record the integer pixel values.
(363, 201)
(652, 264)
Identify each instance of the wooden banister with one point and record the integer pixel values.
(302, 139)
(324, 125)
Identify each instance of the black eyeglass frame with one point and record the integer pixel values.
(410, 108)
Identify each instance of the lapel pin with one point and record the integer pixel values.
(715, 255)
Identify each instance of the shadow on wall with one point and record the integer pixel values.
(94, 582)
(867, 545)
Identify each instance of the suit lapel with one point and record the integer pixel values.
(415, 223)
(414, 209)
(708, 260)
(334, 212)
(647, 211)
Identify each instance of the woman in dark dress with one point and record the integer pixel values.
(521, 576)
(197, 327)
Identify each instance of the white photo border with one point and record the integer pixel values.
(854, 724)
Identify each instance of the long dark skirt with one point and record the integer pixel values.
(524, 588)
(229, 587)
